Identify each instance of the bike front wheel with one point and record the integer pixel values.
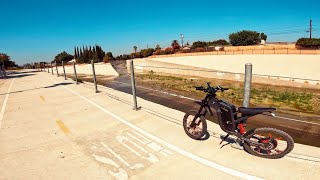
(199, 127)
(268, 143)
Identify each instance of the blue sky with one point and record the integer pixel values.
(38, 30)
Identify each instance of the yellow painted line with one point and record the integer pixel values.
(62, 126)
(42, 98)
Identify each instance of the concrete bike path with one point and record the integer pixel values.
(55, 129)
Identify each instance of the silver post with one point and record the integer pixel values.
(55, 62)
(94, 76)
(64, 71)
(247, 85)
(135, 105)
(75, 72)
(4, 71)
(51, 68)
(1, 71)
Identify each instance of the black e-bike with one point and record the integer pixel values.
(263, 142)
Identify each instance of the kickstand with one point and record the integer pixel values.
(224, 138)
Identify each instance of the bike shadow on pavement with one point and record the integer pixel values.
(227, 141)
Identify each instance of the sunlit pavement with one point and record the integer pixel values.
(54, 129)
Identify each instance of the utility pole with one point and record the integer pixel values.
(310, 29)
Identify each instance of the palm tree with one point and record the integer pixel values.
(175, 44)
(135, 49)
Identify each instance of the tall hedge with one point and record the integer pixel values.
(245, 38)
(308, 43)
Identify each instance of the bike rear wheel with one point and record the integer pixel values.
(269, 143)
(200, 126)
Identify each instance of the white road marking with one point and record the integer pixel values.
(164, 154)
(290, 119)
(142, 142)
(175, 148)
(121, 175)
(153, 146)
(143, 138)
(152, 158)
(136, 166)
(5, 103)
(121, 139)
(167, 151)
(105, 160)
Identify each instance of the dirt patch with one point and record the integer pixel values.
(285, 99)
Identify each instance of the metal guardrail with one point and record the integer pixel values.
(226, 72)
(247, 84)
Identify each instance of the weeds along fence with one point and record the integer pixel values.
(285, 99)
(232, 76)
(243, 51)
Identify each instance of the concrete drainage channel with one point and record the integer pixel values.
(298, 136)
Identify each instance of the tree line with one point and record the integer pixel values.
(85, 54)
(6, 61)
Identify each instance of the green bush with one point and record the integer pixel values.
(220, 42)
(63, 56)
(199, 44)
(245, 38)
(147, 52)
(308, 43)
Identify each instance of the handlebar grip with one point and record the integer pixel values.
(199, 87)
(225, 89)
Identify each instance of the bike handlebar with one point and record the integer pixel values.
(211, 89)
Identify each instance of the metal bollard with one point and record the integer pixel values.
(64, 71)
(247, 85)
(135, 105)
(75, 72)
(4, 71)
(1, 75)
(94, 77)
(56, 68)
(51, 68)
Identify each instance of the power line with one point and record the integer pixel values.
(288, 27)
(284, 33)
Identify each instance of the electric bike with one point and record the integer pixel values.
(263, 142)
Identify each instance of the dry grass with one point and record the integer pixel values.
(285, 99)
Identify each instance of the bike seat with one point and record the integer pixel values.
(254, 111)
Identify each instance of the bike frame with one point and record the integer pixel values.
(210, 101)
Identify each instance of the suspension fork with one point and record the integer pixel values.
(199, 113)
(203, 105)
